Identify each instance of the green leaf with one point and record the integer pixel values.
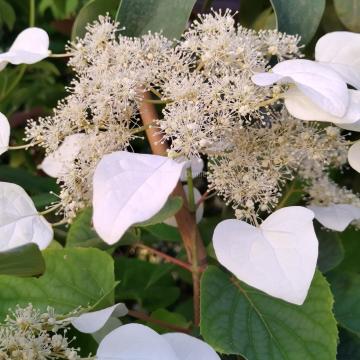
(25, 260)
(299, 16)
(349, 13)
(250, 10)
(30, 182)
(351, 243)
(266, 20)
(168, 317)
(73, 278)
(43, 200)
(171, 207)
(90, 12)
(331, 250)
(346, 290)
(141, 16)
(163, 232)
(238, 319)
(7, 14)
(150, 285)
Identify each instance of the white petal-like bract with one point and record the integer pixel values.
(279, 257)
(199, 211)
(94, 321)
(354, 156)
(130, 188)
(188, 347)
(196, 164)
(30, 46)
(301, 107)
(316, 81)
(136, 342)
(336, 217)
(340, 50)
(4, 133)
(56, 163)
(20, 222)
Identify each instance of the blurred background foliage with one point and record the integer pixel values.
(31, 91)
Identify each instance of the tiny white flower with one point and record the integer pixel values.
(336, 217)
(130, 188)
(322, 85)
(136, 341)
(30, 46)
(20, 222)
(278, 257)
(4, 133)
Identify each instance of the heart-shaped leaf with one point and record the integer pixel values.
(130, 188)
(20, 222)
(279, 257)
(238, 319)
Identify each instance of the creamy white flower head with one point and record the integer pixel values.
(130, 188)
(322, 85)
(4, 133)
(278, 257)
(136, 341)
(340, 50)
(30, 46)
(58, 162)
(301, 107)
(354, 156)
(336, 217)
(20, 222)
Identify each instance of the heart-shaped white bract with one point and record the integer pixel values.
(20, 222)
(130, 188)
(354, 156)
(30, 46)
(196, 164)
(199, 211)
(322, 85)
(340, 50)
(94, 321)
(279, 257)
(336, 217)
(57, 163)
(4, 133)
(301, 107)
(136, 341)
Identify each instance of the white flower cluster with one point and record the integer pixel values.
(203, 81)
(29, 334)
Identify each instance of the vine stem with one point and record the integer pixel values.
(194, 246)
(145, 317)
(166, 257)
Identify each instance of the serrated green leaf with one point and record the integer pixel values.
(150, 285)
(171, 207)
(90, 12)
(73, 277)
(346, 290)
(299, 16)
(141, 16)
(331, 250)
(238, 319)
(25, 260)
(348, 12)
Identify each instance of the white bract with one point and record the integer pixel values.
(30, 46)
(336, 217)
(278, 257)
(57, 163)
(135, 341)
(354, 156)
(199, 211)
(319, 83)
(94, 321)
(4, 133)
(130, 188)
(196, 164)
(20, 222)
(340, 50)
